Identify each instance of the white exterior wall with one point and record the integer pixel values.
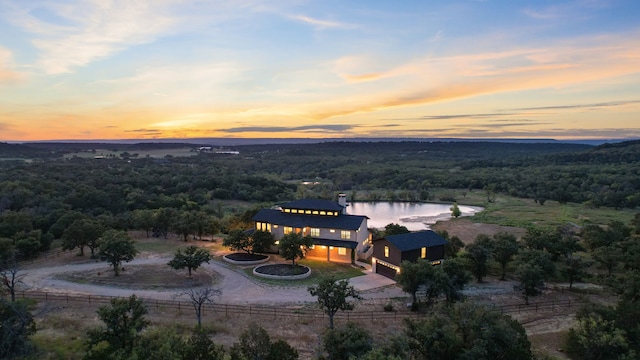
(325, 233)
(362, 235)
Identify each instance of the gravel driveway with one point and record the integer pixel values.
(236, 287)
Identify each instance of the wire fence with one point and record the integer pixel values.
(276, 312)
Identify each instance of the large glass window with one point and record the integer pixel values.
(315, 232)
(342, 251)
(345, 234)
(263, 226)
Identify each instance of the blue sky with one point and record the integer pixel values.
(110, 69)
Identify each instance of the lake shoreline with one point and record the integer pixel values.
(413, 215)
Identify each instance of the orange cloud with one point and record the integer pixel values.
(462, 76)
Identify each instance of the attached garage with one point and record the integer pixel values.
(386, 270)
(390, 251)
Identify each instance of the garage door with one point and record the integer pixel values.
(385, 271)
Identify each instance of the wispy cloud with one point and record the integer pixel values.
(436, 79)
(320, 24)
(584, 106)
(93, 29)
(566, 10)
(464, 116)
(145, 132)
(284, 129)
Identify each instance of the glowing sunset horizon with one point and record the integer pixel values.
(117, 69)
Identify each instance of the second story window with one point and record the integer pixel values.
(263, 226)
(315, 232)
(386, 251)
(288, 230)
(345, 234)
(423, 252)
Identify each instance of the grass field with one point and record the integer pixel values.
(511, 211)
(152, 153)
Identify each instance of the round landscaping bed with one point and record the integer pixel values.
(245, 258)
(282, 271)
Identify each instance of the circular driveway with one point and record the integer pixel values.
(235, 285)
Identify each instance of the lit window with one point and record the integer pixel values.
(386, 251)
(315, 212)
(342, 251)
(263, 226)
(332, 230)
(323, 212)
(287, 210)
(295, 211)
(315, 232)
(288, 230)
(345, 234)
(423, 252)
(308, 212)
(312, 247)
(275, 226)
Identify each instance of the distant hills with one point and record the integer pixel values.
(263, 141)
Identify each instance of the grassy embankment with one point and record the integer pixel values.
(511, 211)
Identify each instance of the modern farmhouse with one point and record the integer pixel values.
(390, 251)
(337, 236)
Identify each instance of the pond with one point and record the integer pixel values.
(415, 216)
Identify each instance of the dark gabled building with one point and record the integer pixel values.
(390, 251)
(337, 236)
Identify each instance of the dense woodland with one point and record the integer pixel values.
(42, 192)
(46, 194)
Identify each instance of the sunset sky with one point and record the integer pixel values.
(125, 69)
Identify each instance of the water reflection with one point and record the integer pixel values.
(415, 216)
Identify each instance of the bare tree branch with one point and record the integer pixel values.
(199, 297)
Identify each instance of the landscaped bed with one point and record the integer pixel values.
(283, 271)
(245, 258)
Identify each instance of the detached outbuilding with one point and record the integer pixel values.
(390, 251)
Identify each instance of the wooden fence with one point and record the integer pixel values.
(282, 311)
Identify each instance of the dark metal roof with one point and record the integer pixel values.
(336, 243)
(415, 240)
(313, 204)
(342, 221)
